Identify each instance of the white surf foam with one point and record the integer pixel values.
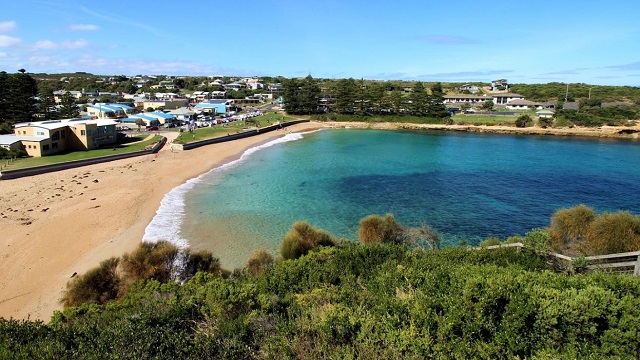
(166, 224)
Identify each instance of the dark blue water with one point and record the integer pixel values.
(466, 186)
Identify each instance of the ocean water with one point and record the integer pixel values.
(466, 186)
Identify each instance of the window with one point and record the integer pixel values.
(63, 132)
(54, 146)
(82, 132)
(55, 136)
(29, 146)
(45, 147)
(40, 133)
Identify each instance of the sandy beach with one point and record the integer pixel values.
(58, 224)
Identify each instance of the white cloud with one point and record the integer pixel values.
(66, 44)
(6, 40)
(83, 27)
(6, 26)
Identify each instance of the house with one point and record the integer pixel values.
(41, 138)
(276, 87)
(469, 99)
(254, 86)
(148, 120)
(58, 94)
(233, 86)
(523, 105)
(472, 89)
(103, 110)
(163, 104)
(162, 117)
(544, 114)
(499, 85)
(217, 106)
(572, 105)
(504, 99)
(183, 113)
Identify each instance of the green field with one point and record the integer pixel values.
(463, 119)
(81, 155)
(230, 128)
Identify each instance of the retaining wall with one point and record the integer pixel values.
(36, 170)
(240, 135)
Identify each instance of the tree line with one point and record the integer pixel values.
(349, 96)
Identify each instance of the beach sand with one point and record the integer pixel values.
(59, 224)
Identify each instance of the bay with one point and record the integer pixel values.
(466, 186)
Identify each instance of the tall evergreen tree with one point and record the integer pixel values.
(310, 95)
(419, 100)
(47, 108)
(18, 99)
(345, 92)
(436, 108)
(69, 109)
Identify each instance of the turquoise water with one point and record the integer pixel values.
(466, 186)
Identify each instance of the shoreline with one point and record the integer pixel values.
(58, 224)
(611, 132)
(66, 222)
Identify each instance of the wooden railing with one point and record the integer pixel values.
(620, 263)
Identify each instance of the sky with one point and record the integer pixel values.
(587, 41)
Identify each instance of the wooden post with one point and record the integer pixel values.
(636, 269)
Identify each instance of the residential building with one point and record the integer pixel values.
(469, 99)
(41, 138)
(472, 89)
(504, 99)
(500, 84)
(524, 105)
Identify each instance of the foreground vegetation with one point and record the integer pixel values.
(384, 297)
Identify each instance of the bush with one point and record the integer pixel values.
(198, 261)
(150, 261)
(545, 122)
(97, 286)
(259, 262)
(378, 229)
(524, 121)
(612, 233)
(537, 240)
(569, 226)
(302, 238)
(490, 241)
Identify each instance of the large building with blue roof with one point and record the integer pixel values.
(217, 106)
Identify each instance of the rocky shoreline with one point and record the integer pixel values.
(616, 132)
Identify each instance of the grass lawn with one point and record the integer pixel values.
(484, 119)
(81, 155)
(230, 128)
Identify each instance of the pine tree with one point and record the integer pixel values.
(419, 100)
(69, 108)
(436, 108)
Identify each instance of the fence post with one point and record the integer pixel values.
(636, 269)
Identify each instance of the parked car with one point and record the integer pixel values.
(152, 128)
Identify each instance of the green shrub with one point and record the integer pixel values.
(378, 229)
(259, 262)
(569, 226)
(490, 241)
(538, 240)
(150, 261)
(302, 238)
(524, 121)
(612, 233)
(97, 286)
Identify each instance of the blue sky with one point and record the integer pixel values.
(595, 42)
